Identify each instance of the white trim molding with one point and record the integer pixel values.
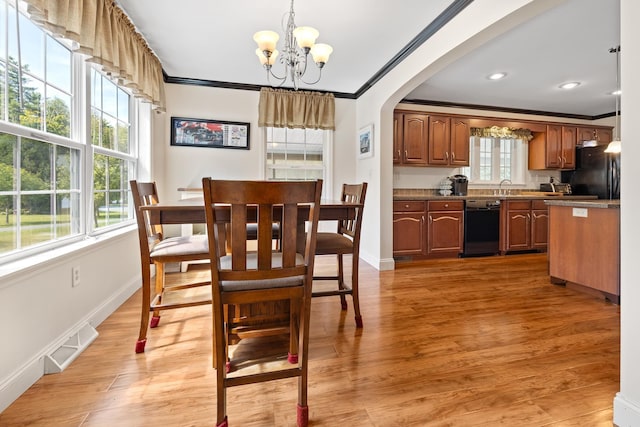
(625, 413)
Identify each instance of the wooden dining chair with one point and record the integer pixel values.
(345, 241)
(263, 277)
(157, 250)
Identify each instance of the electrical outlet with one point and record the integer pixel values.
(75, 276)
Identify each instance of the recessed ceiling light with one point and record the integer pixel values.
(569, 85)
(496, 76)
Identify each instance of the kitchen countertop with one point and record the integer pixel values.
(600, 203)
(400, 196)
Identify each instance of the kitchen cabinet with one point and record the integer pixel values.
(422, 139)
(553, 149)
(448, 141)
(445, 227)
(408, 228)
(601, 135)
(524, 225)
(428, 229)
(410, 138)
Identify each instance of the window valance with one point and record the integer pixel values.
(106, 34)
(502, 132)
(296, 109)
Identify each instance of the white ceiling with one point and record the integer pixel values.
(212, 40)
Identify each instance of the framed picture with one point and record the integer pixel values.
(365, 142)
(209, 133)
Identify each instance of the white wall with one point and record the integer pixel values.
(626, 410)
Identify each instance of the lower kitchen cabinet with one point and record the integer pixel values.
(524, 225)
(442, 236)
(445, 227)
(408, 228)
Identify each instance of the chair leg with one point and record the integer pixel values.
(144, 309)
(343, 299)
(303, 416)
(219, 357)
(294, 330)
(354, 290)
(159, 289)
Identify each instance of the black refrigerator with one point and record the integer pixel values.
(597, 173)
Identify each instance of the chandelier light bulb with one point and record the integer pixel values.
(306, 37)
(264, 60)
(320, 53)
(266, 40)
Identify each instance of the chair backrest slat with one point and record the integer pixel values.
(352, 193)
(144, 194)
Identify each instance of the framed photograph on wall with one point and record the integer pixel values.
(365, 142)
(209, 133)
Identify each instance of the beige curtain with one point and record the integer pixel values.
(282, 108)
(104, 33)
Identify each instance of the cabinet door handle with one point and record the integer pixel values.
(405, 154)
(399, 154)
(423, 219)
(453, 156)
(430, 218)
(446, 155)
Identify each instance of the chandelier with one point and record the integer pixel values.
(615, 146)
(299, 42)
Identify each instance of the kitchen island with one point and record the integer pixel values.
(584, 246)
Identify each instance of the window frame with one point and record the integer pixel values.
(327, 159)
(79, 139)
(518, 161)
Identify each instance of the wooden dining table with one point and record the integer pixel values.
(191, 211)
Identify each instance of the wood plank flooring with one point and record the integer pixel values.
(463, 342)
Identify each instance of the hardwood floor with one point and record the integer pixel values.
(464, 342)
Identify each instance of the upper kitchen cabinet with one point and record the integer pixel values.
(448, 141)
(553, 149)
(422, 139)
(601, 135)
(410, 138)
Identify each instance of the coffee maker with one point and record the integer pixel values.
(459, 183)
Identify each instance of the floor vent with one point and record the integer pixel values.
(62, 357)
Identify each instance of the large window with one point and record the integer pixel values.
(298, 154)
(55, 126)
(495, 159)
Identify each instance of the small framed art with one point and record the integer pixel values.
(365, 142)
(209, 133)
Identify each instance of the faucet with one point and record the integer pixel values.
(504, 181)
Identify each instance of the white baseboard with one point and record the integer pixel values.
(386, 264)
(377, 263)
(18, 382)
(625, 413)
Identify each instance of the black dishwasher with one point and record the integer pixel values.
(481, 227)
